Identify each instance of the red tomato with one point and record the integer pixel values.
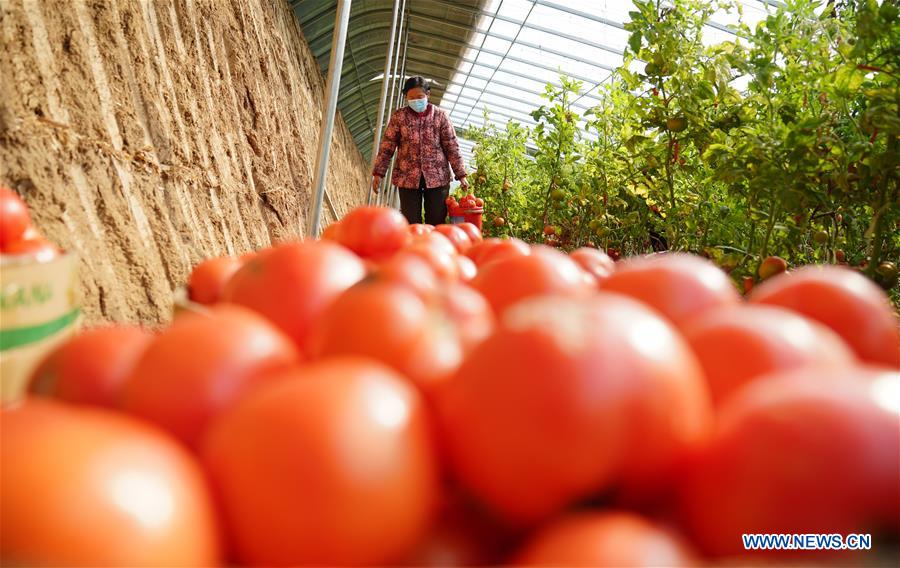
(247, 256)
(479, 202)
(374, 232)
(332, 232)
(493, 249)
(457, 236)
(607, 538)
(473, 232)
(680, 286)
(292, 283)
(410, 269)
(544, 271)
(743, 343)
(844, 300)
(40, 248)
(442, 261)
(436, 240)
(401, 330)
(595, 262)
(537, 417)
(467, 268)
(14, 218)
(208, 279)
(88, 487)
(201, 365)
(420, 229)
(91, 368)
(331, 465)
(806, 451)
(469, 311)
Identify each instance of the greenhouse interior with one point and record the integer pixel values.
(449, 283)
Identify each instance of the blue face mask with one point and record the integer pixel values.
(418, 105)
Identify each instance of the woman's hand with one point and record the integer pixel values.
(464, 184)
(376, 183)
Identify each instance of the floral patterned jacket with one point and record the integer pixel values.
(425, 143)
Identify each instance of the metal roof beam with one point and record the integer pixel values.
(315, 40)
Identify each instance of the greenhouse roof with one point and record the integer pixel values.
(483, 54)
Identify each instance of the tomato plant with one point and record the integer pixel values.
(783, 142)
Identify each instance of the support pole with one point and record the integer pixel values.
(332, 88)
(376, 142)
(394, 200)
(389, 106)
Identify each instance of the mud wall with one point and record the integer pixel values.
(146, 135)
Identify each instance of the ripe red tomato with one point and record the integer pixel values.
(292, 283)
(435, 240)
(331, 465)
(457, 236)
(473, 232)
(470, 313)
(92, 367)
(479, 202)
(208, 279)
(14, 218)
(374, 232)
(332, 232)
(40, 248)
(537, 417)
(201, 365)
(497, 249)
(744, 343)
(605, 538)
(544, 271)
(806, 451)
(87, 487)
(402, 330)
(595, 262)
(412, 270)
(420, 229)
(467, 268)
(680, 286)
(441, 260)
(844, 300)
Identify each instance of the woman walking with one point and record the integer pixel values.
(425, 143)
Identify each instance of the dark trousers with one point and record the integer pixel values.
(412, 199)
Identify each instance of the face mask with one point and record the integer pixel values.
(418, 105)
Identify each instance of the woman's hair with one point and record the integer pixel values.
(416, 82)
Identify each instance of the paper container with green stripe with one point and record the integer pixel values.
(38, 310)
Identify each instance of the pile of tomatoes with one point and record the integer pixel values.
(465, 203)
(416, 395)
(18, 237)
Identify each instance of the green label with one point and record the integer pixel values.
(19, 336)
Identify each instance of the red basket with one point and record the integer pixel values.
(474, 216)
(456, 214)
